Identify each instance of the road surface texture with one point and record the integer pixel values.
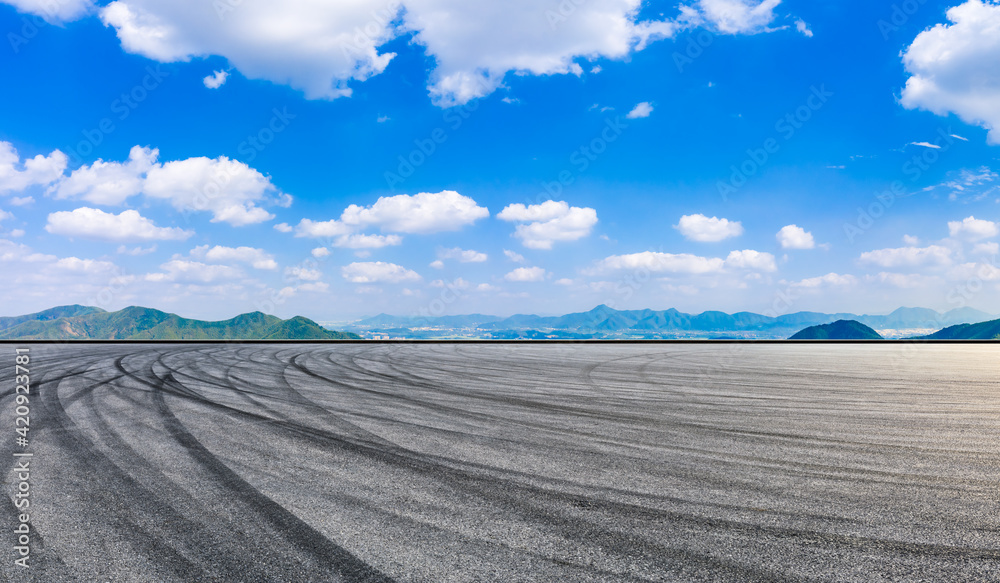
(507, 462)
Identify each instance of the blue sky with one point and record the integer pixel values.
(439, 157)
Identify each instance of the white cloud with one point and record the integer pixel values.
(53, 11)
(953, 67)
(739, 16)
(320, 252)
(21, 200)
(377, 272)
(795, 237)
(642, 109)
(229, 189)
(908, 256)
(283, 228)
(181, 270)
(905, 281)
(991, 248)
(302, 273)
(463, 255)
(803, 28)
(419, 213)
(526, 274)
(973, 271)
(257, 258)
(660, 262)
(4, 215)
(16, 233)
(911, 240)
(925, 145)
(136, 251)
(90, 223)
(361, 241)
(16, 175)
(701, 228)
(84, 265)
(564, 281)
(108, 183)
(316, 287)
(973, 229)
(216, 79)
(485, 287)
(750, 259)
(830, 279)
(311, 228)
(544, 224)
(513, 256)
(437, 264)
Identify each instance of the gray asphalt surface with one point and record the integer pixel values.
(452, 462)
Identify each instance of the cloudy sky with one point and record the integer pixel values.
(340, 159)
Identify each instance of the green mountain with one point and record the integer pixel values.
(137, 323)
(839, 330)
(981, 331)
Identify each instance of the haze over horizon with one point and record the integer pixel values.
(730, 155)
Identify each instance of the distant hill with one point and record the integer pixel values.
(137, 323)
(981, 331)
(604, 321)
(839, 330)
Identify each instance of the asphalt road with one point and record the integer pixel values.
(450, 462)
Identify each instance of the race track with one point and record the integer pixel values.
(507, 462)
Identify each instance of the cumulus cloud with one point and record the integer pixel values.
(108, 183)
(642, 109)
(739, 16)
(795, 237)
(320, 252)
(973, 271)
(17, 175)
(953, 67)
(256, 258)
(908, 256)
(184, 271)
(53, 11)
(526, 274)
(463, 255)
(513, 256)
(322, 48)
(361, 241)
(229, 189)
(904, 280)
(302, 273)
(419, 213)
(91, 223)
(659, 262)
(701, 228)
(973, 229)
(991, 248)
(750, 259)
(216, 79)
(828, 280)
(284, 228)
(541, 225)
(377, 272)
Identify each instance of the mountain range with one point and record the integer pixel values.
(603, 321)
(137, 323)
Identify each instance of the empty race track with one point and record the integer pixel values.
(507, 462)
